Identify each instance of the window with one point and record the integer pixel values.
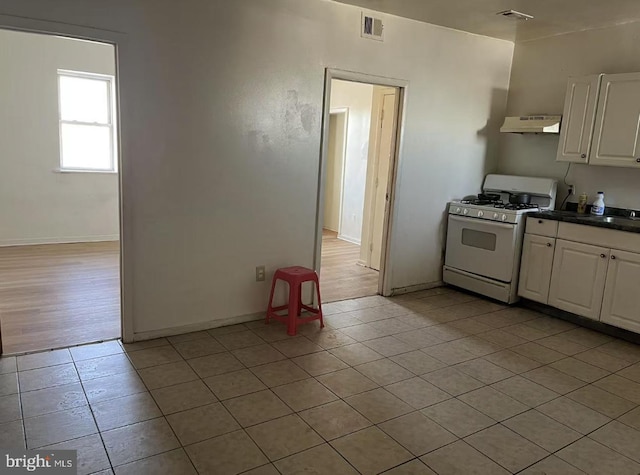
(87, 122)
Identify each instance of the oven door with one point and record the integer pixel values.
(482, 247)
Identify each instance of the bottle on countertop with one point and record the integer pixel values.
(582, 203)
(597, 208)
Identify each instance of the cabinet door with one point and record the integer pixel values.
(617, 135)
(578, 118)
(577, 279)
(621, 304)
(535, 267)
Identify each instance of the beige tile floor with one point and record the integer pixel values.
(432, 382)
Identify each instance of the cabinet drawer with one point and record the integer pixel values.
(542, 227)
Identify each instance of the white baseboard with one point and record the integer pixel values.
(195, 327)
(349, 239)
(58, 240)
(416, 288)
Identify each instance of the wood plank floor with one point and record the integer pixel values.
(340, 276)
(59, 295)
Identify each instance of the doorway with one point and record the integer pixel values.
(358, 163)
(60, 240)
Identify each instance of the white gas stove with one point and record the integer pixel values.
(484, 237)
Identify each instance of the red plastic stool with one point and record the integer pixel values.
(295, 276)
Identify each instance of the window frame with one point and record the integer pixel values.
(111, 123)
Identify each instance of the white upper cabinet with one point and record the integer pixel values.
(621, 305)
(616, 140)
(578, 119)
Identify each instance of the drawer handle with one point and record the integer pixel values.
(584, 155)
(603, 256)
(548, 244)
(539, 221)
(638, 160)
(613, 257)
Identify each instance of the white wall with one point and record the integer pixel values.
(357, 97)
(38, 205)
(221, 106)
(538, 84)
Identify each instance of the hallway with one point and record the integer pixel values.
(340, 276)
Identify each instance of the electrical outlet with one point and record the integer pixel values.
(260, 273)
(572, 190)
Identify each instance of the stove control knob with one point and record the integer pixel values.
(465, 211)
(495, 216)
(503, 217)
(480, 214)
(458, 210)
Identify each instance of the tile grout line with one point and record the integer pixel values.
(24, 427)
(241, 427)
(95, 421)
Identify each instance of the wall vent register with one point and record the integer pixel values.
(371, 28)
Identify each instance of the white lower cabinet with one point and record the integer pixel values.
(585, 270)
(535, 267)
(621, 304)
(578, 277)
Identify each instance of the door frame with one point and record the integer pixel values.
(384, 279)
(119, 41)
(345, 112)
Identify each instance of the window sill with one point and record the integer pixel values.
(71, 170)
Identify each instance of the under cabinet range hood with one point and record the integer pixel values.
(532, 124)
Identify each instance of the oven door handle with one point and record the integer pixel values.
(491, 223)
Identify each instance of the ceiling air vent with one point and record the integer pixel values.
(372, 28)
(515, 15)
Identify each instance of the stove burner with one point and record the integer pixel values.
(478, 202)
(510, 206)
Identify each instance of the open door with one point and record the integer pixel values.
(382, 168)
(380, 163)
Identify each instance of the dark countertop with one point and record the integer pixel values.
(617, 222)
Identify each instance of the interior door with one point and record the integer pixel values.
(381, 179)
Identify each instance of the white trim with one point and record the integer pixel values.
(194, 327)
(58, 240)
(416, 288)
(109, 124)
(345, 111)
(82, 170)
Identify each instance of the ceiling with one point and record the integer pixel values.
(552, 17)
